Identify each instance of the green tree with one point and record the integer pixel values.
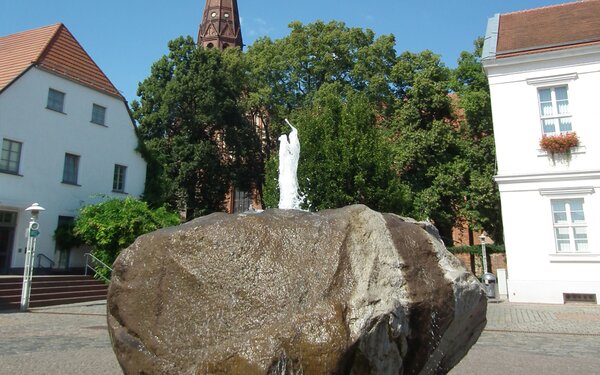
(314, 75)
(428, 148)
(482, 200)
(344, 157)
(111, 226)
(287, 73)
(194, 126)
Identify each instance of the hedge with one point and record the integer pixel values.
(476, 249)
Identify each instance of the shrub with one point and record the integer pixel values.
(111, 226)
(476, 249)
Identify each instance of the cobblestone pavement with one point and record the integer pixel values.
(519, 339)
(536, 339)
(69, 339)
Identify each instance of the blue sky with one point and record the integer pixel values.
(125, 37)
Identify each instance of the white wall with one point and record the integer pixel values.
(536, 273)
(528, 178)
(46, 136)
(517, 127)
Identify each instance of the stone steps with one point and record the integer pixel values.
(51, 290)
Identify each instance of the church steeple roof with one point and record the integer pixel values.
(220, 26)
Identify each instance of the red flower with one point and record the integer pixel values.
(559, 144)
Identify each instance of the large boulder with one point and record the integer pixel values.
(347, 291)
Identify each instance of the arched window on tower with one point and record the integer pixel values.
(210, 45)
(225, 45)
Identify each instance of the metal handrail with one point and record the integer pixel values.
(39, 265)
(88, 265)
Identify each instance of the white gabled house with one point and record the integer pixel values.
(543, 67)
(66, 136)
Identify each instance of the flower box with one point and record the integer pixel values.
(559, 144)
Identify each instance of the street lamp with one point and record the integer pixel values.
(488, 278)
(483, 251)
(32, 233)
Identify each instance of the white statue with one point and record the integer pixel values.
(289, 154)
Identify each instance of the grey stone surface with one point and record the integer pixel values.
(345, 291)
(574, 319)
(69, 339)
(536, 339)
(30, 338)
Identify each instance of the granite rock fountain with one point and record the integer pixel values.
(344, 291)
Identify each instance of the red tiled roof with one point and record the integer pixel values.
(54, 49)
(549, 28)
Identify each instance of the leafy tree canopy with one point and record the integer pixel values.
(288, 72)
(434, 122)
(192, 122)
(401, 133)
(482, 199)
(345, 158)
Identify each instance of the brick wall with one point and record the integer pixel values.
(474, 263)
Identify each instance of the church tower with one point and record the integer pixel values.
(220, 26)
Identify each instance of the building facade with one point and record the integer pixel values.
(543, 67)
(67, 139)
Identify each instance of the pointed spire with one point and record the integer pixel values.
(220, 26)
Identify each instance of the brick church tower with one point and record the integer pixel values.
(220, 26)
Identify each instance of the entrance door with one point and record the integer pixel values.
(7, 232)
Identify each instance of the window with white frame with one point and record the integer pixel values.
(71, 169)
(554, 110)
(56, 100)
(98, 114)
(119, 178)
(570, 229)
(11, 156)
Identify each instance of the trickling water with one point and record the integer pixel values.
(289, 154)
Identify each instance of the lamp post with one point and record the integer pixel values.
(488, 278)
(32, 233)
(483, 252)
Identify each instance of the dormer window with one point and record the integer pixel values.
(554, 110)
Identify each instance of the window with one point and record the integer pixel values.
(11, 156)
(56, 100)
(71, 169)
(241, 201)
(119, 178)
(98, 114)
(554, 110)
(7, 219)
(570, 229)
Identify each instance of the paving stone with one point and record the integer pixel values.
(519, 339)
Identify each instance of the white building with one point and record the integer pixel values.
(66, 136)
(543, 67)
